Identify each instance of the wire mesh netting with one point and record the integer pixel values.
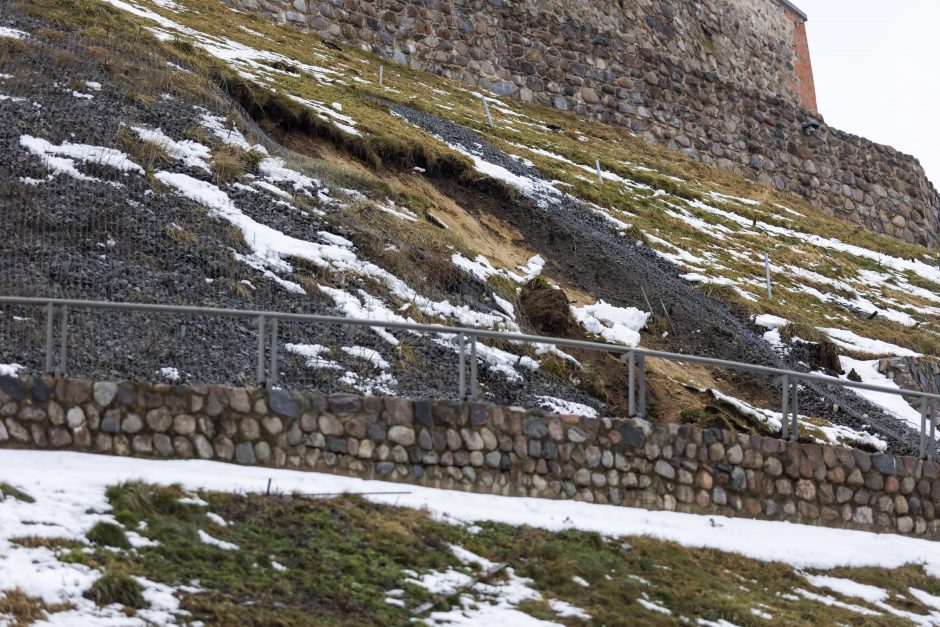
(86, 149)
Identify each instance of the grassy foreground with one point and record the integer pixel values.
(340, 561)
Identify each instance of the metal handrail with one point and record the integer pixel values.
(635, 357)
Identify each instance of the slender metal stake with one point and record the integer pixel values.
(923, 428)
(381, 75)
(462, 367)
(260, 376)
(486, 108)
(272, 373)
(933, 431)
(631, 369)
(784, 426)
(642, 390)
(50, 341)
(600, 177)
(770, 293)
(795, 425)
(473, 367)
(63, 337)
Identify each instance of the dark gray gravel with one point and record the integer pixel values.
(592, 252)
(107, 240)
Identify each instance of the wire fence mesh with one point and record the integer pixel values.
(85, 216)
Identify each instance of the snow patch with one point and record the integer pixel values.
(615, 324)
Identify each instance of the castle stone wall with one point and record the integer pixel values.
(481, 448)
(727, 82)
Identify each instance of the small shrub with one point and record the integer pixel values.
(108, 534)
(116, 587)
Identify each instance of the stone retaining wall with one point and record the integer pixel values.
(482, 448)
(727, 82)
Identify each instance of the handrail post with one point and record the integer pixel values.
(272, 372)
(641, 402)
(922, 450)
(461, 368)
(50, 338)
(795, 425)
(260, 373)
(933, 432)
(63, 338)
(473, 367)
(785, 410)
(631, 379)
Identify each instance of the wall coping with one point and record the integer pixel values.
(797, 10)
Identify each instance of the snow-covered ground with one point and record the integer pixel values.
(69, 492)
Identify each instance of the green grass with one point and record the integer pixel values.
(117, 587)
(108, 534)
(7, 490)
(305, 561)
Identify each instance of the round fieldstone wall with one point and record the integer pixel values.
(481, 448)
(727, 82)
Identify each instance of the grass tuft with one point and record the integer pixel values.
(802, 331)
(108, 534)
(116, 587)
(8, 490)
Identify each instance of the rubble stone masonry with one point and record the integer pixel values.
(481, 448)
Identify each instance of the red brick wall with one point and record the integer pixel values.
(803, 83)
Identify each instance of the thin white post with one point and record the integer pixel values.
(462, 368)
(600, 177)
(923, 428)
(770, 293)
(631, 382)
(381, 75)
(486, 107)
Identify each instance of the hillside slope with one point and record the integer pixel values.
(106, 540)
(183, 152)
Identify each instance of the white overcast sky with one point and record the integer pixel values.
(877, 67)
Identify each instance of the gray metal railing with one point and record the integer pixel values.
(56, 356)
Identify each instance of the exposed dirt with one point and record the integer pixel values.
(587, 249)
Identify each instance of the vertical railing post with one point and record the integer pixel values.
(50, 338)
(272, 372)
(932, 439)
(631, 382)
(461, 368)
(922, 450)
(795, 425)
(260, 374)
(63, 339)
(641, 392)
(473, 367)
(785, 409)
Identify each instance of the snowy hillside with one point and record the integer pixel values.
(49, 554)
